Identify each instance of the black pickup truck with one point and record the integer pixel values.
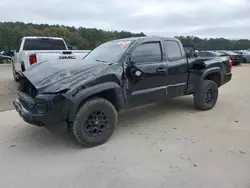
(86, 95)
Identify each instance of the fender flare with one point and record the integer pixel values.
(88, 92)
(210, 71)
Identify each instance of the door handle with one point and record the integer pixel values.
(161, 69)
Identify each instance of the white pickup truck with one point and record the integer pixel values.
(33, 50)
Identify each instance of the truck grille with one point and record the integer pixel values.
(26, 100)
(27, 87)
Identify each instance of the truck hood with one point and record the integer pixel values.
(59, 75)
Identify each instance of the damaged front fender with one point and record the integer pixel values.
(94, 90)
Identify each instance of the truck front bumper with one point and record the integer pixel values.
(28, 116)
(44, 111)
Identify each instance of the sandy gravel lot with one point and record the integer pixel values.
(161, 145)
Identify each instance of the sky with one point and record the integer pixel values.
(202, 18)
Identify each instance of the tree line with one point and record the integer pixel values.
(89, 38)
(82, 38)
(216, 43)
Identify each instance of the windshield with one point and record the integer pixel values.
(109, 51)
(44, 44)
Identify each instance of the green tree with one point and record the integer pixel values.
(89, 38)
(83, 38)
(215, 44)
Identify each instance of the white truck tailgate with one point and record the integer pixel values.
(55, 55)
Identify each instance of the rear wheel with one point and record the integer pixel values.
(206, 95)
(95, 122)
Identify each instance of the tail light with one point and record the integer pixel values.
(230, 63)
(32, 59)
(233, 57)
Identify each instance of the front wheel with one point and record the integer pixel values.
(95, 122)
(206, 95)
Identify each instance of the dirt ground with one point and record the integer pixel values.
(7, 88)
(160, 145)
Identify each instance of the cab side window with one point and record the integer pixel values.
(173, 50)
(147, 53)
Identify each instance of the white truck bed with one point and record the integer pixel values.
(29, 55)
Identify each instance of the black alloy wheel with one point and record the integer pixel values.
(210, 96)
(96, 123)
(206, 95)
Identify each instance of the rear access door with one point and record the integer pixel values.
(177, 64)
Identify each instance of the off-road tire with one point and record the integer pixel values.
(79, 126)
(203, 91)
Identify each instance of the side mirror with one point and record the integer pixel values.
(130, 62)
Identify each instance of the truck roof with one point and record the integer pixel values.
(40, 37)
(148, 38)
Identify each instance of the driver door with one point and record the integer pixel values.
(147, 75)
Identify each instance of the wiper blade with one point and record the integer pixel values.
(110, 63)
(100, 61)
